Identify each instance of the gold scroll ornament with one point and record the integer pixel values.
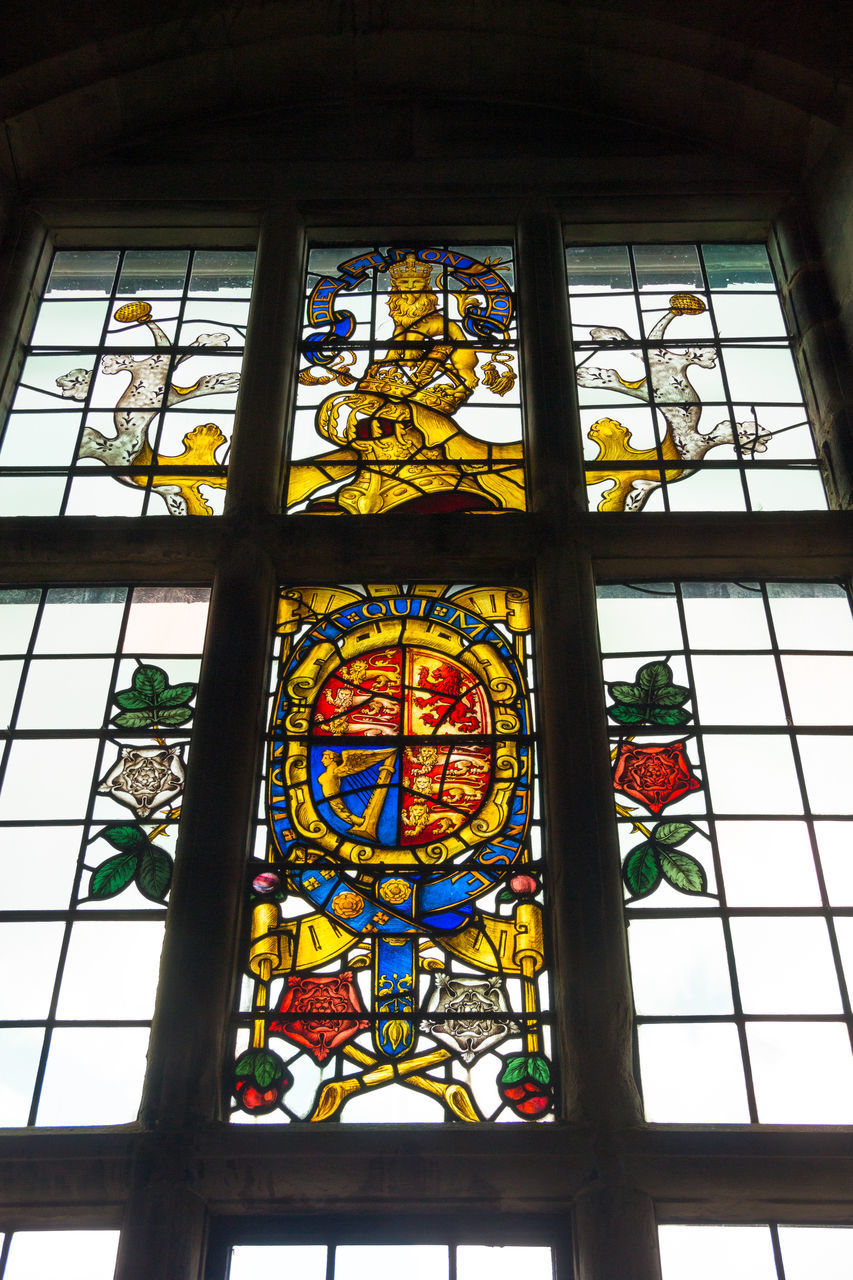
(500, 944)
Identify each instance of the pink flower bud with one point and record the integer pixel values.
(266, 882)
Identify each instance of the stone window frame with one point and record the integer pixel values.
(181, 1182)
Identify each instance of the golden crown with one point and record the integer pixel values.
(410, 271)
(392, 380)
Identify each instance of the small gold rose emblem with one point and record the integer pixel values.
(395, 891)
(348, 905)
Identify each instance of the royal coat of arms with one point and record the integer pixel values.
(396, 930)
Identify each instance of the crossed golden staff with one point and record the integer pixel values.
(454, 1094)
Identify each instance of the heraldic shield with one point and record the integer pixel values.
(396, 929)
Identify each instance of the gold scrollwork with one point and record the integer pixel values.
(436, 852)
(510, 605)
(518, 610)
(307, 604)
(290, 946)
(501, 945)
(305, 817)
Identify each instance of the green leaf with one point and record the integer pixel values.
(245, 1065)
(113, 875)
(641, 870)
(667, 715)
(264, 1066)
(628, 715)
(154, 875)
(152, 700)
(654, 675)
(177, 694)
(653, 699)
(506, 895)
(172, 715)
(149, 682)
(134, 719)
(626, 693)
(673, 832)
(131, 700)
(671, 695)
(683, 872)
(125, 836)
(515, 1069)
(268, 1067)
(538, 1069)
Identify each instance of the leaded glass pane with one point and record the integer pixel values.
(732, 747)
(75, 1255)
(766, 1251)
(396, 963)
(688, 392)
(409, 371)
(107, 418)
(416, 1261)
(100, 687)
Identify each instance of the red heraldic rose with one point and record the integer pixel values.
(654, 775)
(333, 994)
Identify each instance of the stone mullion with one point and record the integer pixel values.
(615, 1235)
(184, 1082)
(264, 404)
(165, 1226)
(552, 424)
(592, 984)
(166, 1222)
(184, 1078)
(820, 345)
(24, 256)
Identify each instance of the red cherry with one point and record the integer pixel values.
(515, 1092)
(253, 1100)
(533, 1106)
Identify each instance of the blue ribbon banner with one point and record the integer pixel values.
(488, 324)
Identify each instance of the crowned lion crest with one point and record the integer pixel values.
(396, 431)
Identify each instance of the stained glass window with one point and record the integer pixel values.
(396, 959)
(689, 395)
(98, 689)
(409, 372)
(108, 416)
(766, 1251)
(732, 746)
